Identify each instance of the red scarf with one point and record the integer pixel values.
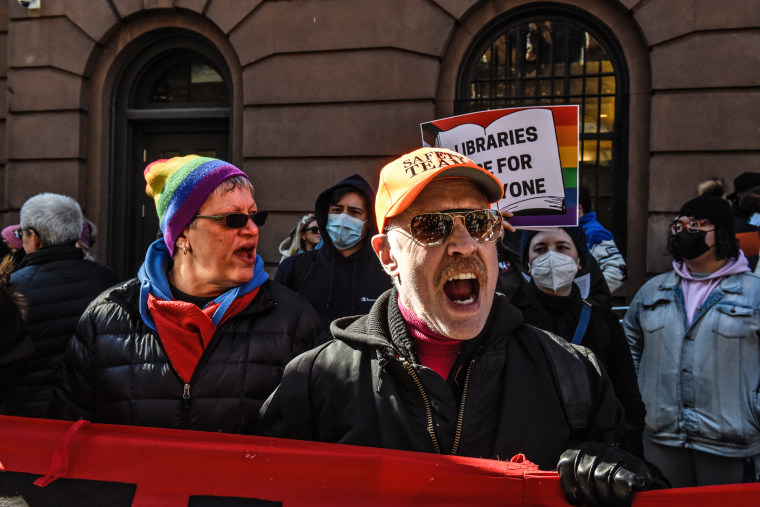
(185, 330)
(435, 351)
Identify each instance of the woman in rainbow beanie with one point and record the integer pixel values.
(199, 339)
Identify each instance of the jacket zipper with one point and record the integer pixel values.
(186, 392)
(428, 410)
(458, 433)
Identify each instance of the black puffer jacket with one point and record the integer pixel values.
(502, 398)
(16, 346)
(57, 284)
(335, 285)
(116, 370)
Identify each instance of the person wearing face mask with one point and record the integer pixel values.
(694, 334)
(551, 301)
(343, 277)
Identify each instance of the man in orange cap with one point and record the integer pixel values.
(442, 363)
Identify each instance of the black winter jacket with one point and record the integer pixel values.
(604, 336)
(16, 346)
(502, 397)
(337, 286)
(57, 283)
(116, 370)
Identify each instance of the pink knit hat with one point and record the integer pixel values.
(9, 235)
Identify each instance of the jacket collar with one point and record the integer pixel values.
(384, 327)
(50, 254)
(731, 284)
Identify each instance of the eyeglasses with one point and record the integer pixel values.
(692, 226)
(239, 220)
(313, 230)
(432, 229)
(19, 233)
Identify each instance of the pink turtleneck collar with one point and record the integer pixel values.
(435, 351)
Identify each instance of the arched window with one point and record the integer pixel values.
(173, 98)
(554, 55)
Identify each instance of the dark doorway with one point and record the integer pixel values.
(174, 99)
(155, 141)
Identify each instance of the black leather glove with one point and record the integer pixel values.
(599, 474)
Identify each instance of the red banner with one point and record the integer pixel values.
(170, 467)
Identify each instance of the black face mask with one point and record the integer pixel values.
(690, 246)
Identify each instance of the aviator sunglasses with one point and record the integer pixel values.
(432, 229)
(239, 220)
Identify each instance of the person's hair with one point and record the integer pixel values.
(296, 242)
(231, 184)
(584, 199)
(338, 193)
(57, 219)
(714, 185)
(227, 186)
(726, 245)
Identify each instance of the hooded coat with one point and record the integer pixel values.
(338, 286)
(502, 396)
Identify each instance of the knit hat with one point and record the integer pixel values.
(402, 180)
(180, 186)
(9, 235)
(744, 182)
(711, 207)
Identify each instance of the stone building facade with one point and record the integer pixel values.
(301, 93)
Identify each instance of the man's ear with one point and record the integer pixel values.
(382, 247)
(36, 241)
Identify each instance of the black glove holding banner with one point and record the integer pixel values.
(599, 474)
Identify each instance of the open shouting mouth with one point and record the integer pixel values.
(247, 254)
(462, 288)
(461, 280)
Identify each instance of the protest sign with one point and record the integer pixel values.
(533, 151)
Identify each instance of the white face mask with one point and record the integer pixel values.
(554, 271)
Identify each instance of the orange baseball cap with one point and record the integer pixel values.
(402, 180)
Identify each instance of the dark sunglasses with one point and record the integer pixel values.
(432, 229)
(313, 230)
(239, 220)
(19, 233)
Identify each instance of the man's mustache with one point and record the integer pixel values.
(462, 265)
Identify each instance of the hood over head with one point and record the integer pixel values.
(322, 206)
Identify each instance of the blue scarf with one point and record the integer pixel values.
(152, 276)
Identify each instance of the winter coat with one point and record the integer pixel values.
(16, 346)
(116, 370)
(366, 387)
(337, 286)
(700, 382)
(57, 284)
(604, 336)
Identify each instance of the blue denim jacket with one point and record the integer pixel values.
(700, 382)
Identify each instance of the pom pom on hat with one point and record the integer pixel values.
(711, 207)
(180, 186)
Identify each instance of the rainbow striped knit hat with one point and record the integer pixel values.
(180, 185)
